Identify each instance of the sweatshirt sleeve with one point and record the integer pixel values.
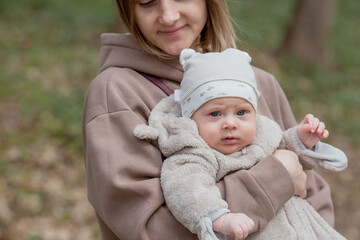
(258, 192)
(123, 172)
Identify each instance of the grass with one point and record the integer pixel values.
(48, 56)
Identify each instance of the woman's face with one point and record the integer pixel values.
(171, 25)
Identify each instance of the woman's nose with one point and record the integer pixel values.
(168, 12)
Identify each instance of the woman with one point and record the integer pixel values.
(123, 172)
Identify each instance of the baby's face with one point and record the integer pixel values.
(226, 124)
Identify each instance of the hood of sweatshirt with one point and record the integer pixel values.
(121, 50)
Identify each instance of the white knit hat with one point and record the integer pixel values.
(213, 75)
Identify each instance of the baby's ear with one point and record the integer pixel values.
(145, 132)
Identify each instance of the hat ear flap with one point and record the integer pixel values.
(185, 55)
(245, 56)
(239, 53)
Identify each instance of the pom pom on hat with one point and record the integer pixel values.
(216, 74)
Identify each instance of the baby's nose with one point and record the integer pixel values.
(230, 123)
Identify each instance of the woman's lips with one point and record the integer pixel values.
(172, 31)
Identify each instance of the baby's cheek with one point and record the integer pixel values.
(250, 133)
(209, 137)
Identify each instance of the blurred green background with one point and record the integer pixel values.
(49, 55)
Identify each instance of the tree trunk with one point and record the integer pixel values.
(307, 35)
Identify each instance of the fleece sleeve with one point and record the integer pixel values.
(322, 155)
(188, 183)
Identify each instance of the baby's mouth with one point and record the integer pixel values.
(230, 140)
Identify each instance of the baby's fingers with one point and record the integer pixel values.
(309, 118)
(244, 230)
(315, 125)
(321, 131)
(241, 233)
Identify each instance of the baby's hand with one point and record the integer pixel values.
(311, 130)
(238, 224)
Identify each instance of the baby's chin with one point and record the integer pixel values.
(229, 150)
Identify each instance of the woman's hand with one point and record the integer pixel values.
(291, 162)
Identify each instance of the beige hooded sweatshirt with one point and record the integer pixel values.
(123, 172)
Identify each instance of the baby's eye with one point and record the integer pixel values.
(215, 114)
(241, 113)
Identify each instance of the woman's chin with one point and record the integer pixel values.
(175, 50)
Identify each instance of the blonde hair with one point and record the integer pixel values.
(218, 33)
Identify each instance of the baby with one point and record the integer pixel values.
(215, 130)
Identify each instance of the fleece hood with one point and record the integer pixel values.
(121, 50)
